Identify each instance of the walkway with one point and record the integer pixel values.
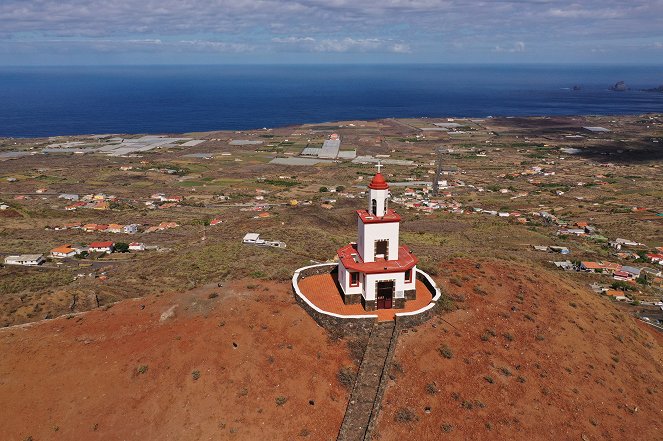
(366, 396)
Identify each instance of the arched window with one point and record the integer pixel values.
(385, 204)
(374, 207)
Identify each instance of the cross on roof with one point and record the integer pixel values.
(379, 165)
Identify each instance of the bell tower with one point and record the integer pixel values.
(378, 194)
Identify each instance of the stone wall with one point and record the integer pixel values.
(338, 326)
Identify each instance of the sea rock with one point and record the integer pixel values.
(655, 89)
(619, 86)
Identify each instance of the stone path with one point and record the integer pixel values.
(366, 396)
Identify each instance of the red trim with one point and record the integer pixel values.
(378, 182)
(368, 218)
(354, 274)
(351, 260)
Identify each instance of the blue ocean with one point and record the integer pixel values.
(47, 101)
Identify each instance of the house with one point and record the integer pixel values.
(130, 229)
(115, 228)
(68, 196)
(566, 265)
(101, 205)
(560, 250)
(627, 243)
(75, 205)
(655, 258)
(25, 260)
(102, 247)
(621, 276)
(137, 246)
(591, 267)
(215, 221)
(252, 238)
(41, 190)
(63, 251)
(631, 272)
(569, 231)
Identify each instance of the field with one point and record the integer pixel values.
(579, 364)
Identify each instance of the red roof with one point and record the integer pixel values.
(351, 260)
(107, 244)
(378, 182)
(368, 218)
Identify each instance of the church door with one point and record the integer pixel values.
(384, 294)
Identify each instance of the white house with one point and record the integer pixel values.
(253, 239)
(102, 247)
(376, 270)
(131, 229)
(137, 246)
(63, 251)
(25, 260)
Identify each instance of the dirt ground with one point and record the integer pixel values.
(526, 356)
(248, 364)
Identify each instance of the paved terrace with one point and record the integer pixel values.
(323, 292)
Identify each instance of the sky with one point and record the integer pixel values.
(102, 32)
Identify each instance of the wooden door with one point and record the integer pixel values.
(384, 294)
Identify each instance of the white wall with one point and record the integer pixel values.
(369, 233)
(413, 284)
(371, 279)
(344, 281)
(380, 197)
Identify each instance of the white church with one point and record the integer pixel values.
(376, 270)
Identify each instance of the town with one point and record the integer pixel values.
(405, 270)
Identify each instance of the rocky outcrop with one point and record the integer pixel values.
(619, 86)
(654, 89)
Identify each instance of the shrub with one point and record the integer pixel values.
(431, 389)
(446, 351)
(346, 376)
(142, 369)
(405, 415)
(195, 375)
(489, 379)
(505, 371)
(281, 400)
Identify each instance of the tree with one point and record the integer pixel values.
(323, 190)
(121, 247)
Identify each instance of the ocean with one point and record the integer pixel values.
(49, 101)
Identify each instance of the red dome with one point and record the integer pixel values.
(378, 182)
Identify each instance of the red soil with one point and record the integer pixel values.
(78, 378)
(578, 367)
(322, 291)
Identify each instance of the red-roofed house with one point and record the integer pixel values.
(102, 247)
(63, 251)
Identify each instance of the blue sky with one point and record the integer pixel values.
(66, 32)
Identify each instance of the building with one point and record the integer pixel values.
(25, 260)
(130, 229)
(137, 246)
(253, 239)
(376, 270)
(102, 247)
(63, 251)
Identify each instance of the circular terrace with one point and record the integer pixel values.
(317, 287)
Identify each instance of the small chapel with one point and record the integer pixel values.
(377, 270)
